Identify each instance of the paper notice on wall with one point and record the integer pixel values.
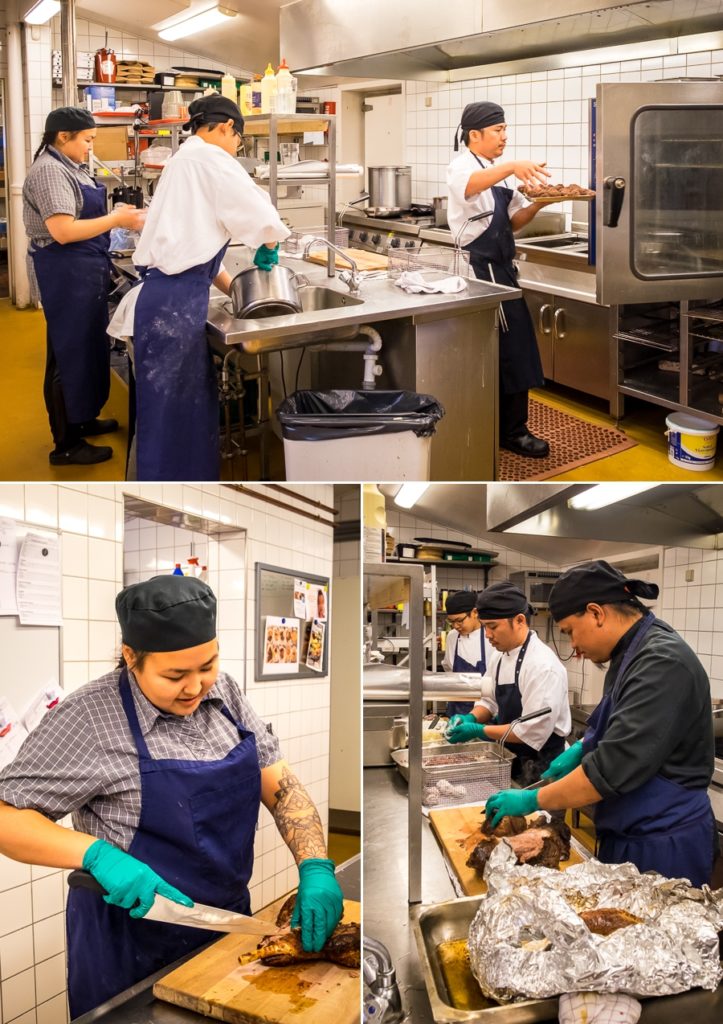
(38, 587)
(315, 653)
(8, 567)
(43, 701)
(281, 645)
(299, 599)
(12, 733)
(316, 595)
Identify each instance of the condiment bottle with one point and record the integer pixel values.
(285, 93)
(268, 89)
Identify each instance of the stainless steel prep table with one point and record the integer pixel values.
(138, 1005)
(386, 912)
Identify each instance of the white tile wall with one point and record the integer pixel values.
(91, 518)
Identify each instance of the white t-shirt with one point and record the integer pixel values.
(469, 648)
(460, 209)
(542, 682)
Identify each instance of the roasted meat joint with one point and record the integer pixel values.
(543, 751)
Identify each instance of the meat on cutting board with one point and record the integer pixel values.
(283, 948)
(542, 843)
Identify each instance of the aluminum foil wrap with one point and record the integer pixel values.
(527, 940)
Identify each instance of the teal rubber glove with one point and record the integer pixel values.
(129, 882)
(319, 903)
(466, 731)
(456, 719)
(266, 258)
(511, 802)
(564, 763)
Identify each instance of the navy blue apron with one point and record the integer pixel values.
(463, 707)
(529, 763)
(74, 282)
(196, 830)
(660, 826)
(492, 252)
(176, 392)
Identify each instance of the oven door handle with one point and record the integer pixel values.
(613, 196)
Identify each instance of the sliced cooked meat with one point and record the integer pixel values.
(284, 948)
(481, 854)
(543, 844)
(509, 826)
(605, 920)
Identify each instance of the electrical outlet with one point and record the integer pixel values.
(689, 575)
(428, 101)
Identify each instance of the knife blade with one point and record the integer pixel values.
(198, 916)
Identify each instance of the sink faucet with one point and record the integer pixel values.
(381, 982)
(350, 278)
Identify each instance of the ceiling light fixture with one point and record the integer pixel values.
(606, 494)
(216, 15)
(409, 494)
(41, 12)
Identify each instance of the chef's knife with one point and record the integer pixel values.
(198, 916)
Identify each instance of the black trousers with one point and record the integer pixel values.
(513, 414)
(65, 434)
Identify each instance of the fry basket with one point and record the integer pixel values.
(479, 769)
(434, 261)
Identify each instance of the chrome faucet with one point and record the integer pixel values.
(381, 981)
(351, 278)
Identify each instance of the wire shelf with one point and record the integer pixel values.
(295, 242)
(434, 261)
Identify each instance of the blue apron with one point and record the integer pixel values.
(74, 281)
(196, 830)
(176, 392)
(520, 364)
(463, 707)
(529, 763)
(660, 826)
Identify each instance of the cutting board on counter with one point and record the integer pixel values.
(214, 984)
(363, 259)
(453, 827)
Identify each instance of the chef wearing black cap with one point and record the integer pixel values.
(478, 185)
(204, 200)
(67, 221)
(527, 676)
(647, 757)
(467, 649)
(163, 765)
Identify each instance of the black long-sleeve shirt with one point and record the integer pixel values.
(662, 721)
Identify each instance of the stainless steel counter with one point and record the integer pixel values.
(138, 1005)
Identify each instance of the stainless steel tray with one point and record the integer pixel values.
(490, 750)
(445, 922)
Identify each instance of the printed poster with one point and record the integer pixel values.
(299, 599)
(316, 601)
(281, 645)
(315, 652)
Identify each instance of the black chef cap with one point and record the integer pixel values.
(597, 583)
(479, 115)
(461, 601)
(502, 600)
(167, 613)
(69, 119)
(213, 110)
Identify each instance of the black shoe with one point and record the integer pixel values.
(528, 445)
(81, 454)
(95, 427)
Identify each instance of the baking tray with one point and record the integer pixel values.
(490, 750)
(460, 999)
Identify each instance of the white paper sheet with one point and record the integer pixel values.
(38, 586)
(8, 567)
(12, 733)
(281, 645)
(43, 701)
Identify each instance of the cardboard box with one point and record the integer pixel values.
(111, 143)
(384, 591)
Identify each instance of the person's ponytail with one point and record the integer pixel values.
(47, 140)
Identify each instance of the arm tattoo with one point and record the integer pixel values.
(297, 819)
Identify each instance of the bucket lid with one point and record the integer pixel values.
(691, 424)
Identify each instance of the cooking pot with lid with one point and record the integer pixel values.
(390, 186)
(260, 293)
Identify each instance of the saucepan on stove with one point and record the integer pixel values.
(390, 186)
(260, 293)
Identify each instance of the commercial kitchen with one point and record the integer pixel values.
(624, 292)
(271, 557)
(425, 901)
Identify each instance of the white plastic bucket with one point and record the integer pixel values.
(692, 441)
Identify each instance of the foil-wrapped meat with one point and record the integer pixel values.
(606, 920)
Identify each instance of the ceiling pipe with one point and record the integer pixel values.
(68, 53)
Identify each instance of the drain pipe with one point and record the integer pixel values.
(370, 350)
(17, 169)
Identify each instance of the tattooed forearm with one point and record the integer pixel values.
(297, 819)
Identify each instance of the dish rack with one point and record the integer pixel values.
(434, 261)
(482, 769)
(295, 243)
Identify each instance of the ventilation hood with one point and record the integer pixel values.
(426, 40)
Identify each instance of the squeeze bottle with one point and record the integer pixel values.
(268, 89)
(285, 96)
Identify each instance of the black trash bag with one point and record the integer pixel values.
(337, 414)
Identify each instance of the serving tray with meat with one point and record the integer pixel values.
(555, 193)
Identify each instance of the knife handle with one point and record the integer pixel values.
(80, 879)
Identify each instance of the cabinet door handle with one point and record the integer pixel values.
(546, 308)
(559, 323)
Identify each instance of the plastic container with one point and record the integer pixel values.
(285, 90)
(268, 89)
(99, 97)
(692, 441)
(245, 99)
(343, 435)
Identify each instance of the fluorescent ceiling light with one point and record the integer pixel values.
(41, 12)
(197, 23)
(606, 494)
(409, 494)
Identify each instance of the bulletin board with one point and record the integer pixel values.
(292, 624)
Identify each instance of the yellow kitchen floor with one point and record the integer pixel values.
(342, 846)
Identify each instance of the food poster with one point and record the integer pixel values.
(281, 645)
(316, 601)
(315, 652)
(300, 599)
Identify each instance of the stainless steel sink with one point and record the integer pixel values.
(314, 297)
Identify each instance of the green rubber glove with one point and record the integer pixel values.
(456, 719)
(565, 762)
(510, 802)
(266, 258)
(466, 731)
(129, 882)
(319, 903)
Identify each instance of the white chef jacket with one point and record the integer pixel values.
(460, 209)
(542, 682)
(204, 199)
(469, 648)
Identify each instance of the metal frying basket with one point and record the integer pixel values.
(479, 769)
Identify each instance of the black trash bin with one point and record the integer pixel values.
(342, 435)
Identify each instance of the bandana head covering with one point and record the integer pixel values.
(479, 115)
(213, 110)
(69, 119)
(597, 583)
(461, 601)
(166, 613)
(502, 600)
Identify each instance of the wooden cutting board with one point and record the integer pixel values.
(215, 985)
(363, 259)
(455, 828)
